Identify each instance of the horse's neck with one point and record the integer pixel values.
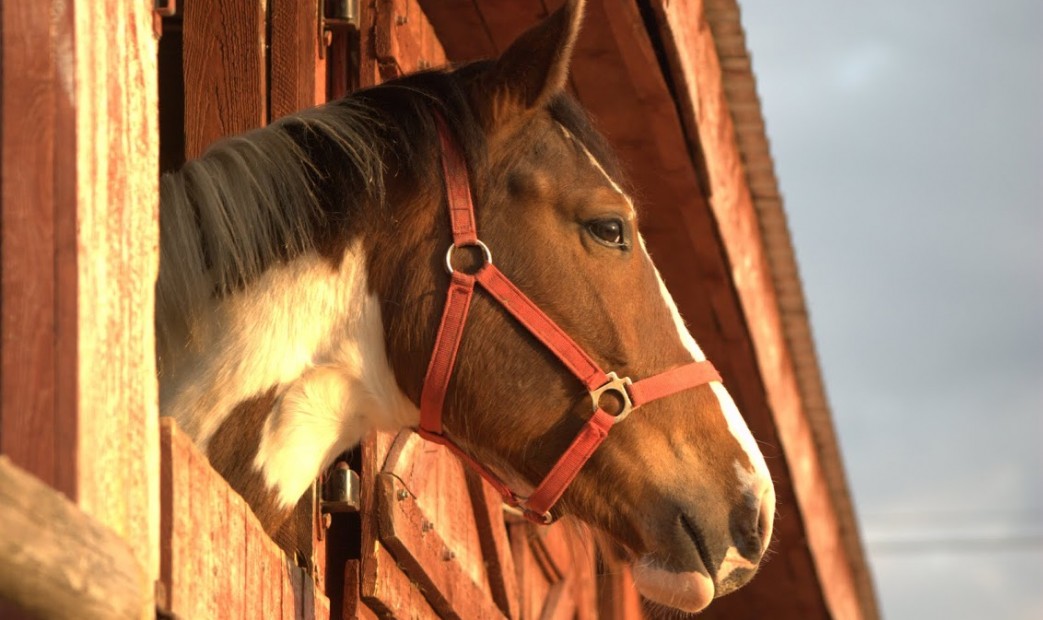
(281, 376)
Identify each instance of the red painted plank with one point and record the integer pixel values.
(291, 591)
(235, 541)
(425, 555)
(387, 591)
(297, 72)
(225, 66)
(38, 413)
(404, 40)
(201, 537)
(257, 581)
(279, 570)
(617, 597)
(534, 580)
(176, 559)
(179, 506)
(216, 560)
(496, 547)
(460, 28)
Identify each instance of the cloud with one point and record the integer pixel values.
(857, 69)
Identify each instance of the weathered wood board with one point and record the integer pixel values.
(216, 561)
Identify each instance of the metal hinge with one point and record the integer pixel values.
(341, 492)
(340, 15)
(161, 9)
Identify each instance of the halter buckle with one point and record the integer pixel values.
(486, 254)
(619, 385)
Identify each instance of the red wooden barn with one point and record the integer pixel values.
(122, 517)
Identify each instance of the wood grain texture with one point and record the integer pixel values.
(225, 68)
(445, 578)
(297, 73)
(388, 592)
(38, 321)
(79, 264)
(617, 596)
(496, 546)
(79, 568)
(216, 559)
(535, 577)
(117, 156)
(404, 40)
(438, 483)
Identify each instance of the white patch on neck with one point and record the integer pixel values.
(314, 332)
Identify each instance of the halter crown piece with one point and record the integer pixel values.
(537, 506)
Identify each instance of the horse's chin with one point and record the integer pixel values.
(688, 591)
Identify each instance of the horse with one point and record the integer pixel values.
(303, 288)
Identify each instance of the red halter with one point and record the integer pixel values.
(537, 506)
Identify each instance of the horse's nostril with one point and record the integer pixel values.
(751, 524)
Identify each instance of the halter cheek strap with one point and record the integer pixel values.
(537, 506)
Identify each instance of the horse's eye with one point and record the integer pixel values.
(609, 231)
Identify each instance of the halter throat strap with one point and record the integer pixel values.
(499, 287)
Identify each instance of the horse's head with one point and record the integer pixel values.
(680, 482)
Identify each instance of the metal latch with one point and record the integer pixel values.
(161, 9)
(341, 15)
(341, 491)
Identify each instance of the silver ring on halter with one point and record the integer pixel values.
(618, 385)
(477, 242)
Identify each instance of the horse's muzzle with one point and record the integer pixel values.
(710, 553)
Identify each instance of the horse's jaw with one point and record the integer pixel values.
(689, 591)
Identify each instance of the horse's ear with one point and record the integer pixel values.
(534, 68)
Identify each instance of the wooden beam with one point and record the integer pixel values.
(58, 562)
(79, 206)
(38, 284)
(116, 236)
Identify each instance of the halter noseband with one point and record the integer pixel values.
(537, 506)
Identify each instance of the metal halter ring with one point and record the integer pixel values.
(477, 242)
(619, 385)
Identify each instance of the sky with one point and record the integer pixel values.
(908, 141)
